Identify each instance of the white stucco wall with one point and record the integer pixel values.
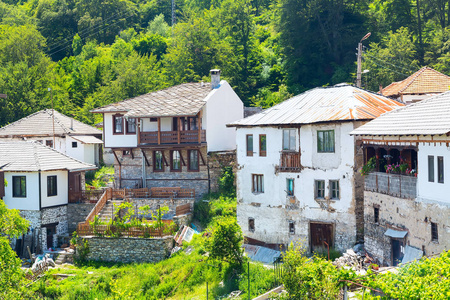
(433, 191)
(272, 210)
(78, 152)
(222, 107)
(31, 202)
(116, 140)
(62, 195)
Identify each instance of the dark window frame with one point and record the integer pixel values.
(49, 143)
(22, 193)
(172, 169)
(155, 169)
(376, 214)
(434, 232)
(248, 144)
(291, 227)
(50, 191)
(74, 144)
(430, 168)
(251, 224)
(335, 189)
(258, 183)
(114, 123)
(291, 141)
(262, 144)
(440, 167)
(127, 125)
(318, 191)
(190, 169)
(321, 146)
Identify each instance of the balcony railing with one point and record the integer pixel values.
(402, 186)
(172, 137)
(289, 162)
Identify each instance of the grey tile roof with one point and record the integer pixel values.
(325, 104)
(33, 156)
(186, 99)
(87, 139)
(41, 124)
(427, 117)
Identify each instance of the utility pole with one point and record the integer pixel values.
(53, 117)
(358, 68)
(173, 13)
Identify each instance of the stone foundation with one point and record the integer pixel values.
(76, 213)
(216, 162)
(127, 250)
(414, 216)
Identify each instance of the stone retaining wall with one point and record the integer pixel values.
(76, 213)
(127, 250)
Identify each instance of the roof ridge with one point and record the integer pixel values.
(412, 77)
(64, 128)
(36, 156)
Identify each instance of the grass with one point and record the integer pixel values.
(99, 178)
(183, 276)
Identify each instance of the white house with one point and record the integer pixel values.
(65, 134)
(297, 168)
(40, 181)
(164, 138)
(407, 208)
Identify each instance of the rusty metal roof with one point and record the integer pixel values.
(186, 99)
(427, 117)
(424, 81)
(324, 104)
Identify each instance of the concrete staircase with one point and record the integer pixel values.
(108, 210)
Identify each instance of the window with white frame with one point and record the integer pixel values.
(289, 139)
(325, 141)
(257, 183)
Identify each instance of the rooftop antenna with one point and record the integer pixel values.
(53, 116)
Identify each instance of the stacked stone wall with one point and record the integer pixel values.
(76, 213)
(127, 250)
(216, 162)
(414, 216)
(53, 215)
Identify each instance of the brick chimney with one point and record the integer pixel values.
(215, 78)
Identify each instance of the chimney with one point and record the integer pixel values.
(71, 123)
(215, 79)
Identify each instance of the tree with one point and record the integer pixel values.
(225, 242)
(11, 276)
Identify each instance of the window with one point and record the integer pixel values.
(249, 144)
(176, 161)
(193, 160)
(431, 168)
(193, 125)
(257, 183)
(74, 144)
(289, 139)
(117, 124)
(290, 187)
(320, 189)
(434, 232)
(440, 162)
(131, 125)
(51, 186)
(334, 189)
(325, 141)
(49, 143)
(251, 224)
(376, 214)
(19, 186)
(158, 161)
(125, 152)
(291, 227)
(262, 145)
(153, 119)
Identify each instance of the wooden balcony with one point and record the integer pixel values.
(172, 137)
(289, 162)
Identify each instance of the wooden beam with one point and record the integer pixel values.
(199, 127)
(179, 130)
(145, 157)
(138, 121)
(181, 157)
(164, 157)
(159, 131)
(201, 156)
(131, 152)
(117, 159)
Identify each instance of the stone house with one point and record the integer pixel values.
(169, 138)
(297, 167)
(423, 84)
(407, 210)
(58, 131)
(40, 181)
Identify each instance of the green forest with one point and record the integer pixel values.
(95, 52)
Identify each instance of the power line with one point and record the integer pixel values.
(381, 66)
(384, 61)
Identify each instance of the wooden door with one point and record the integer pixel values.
(321, 234)
(74, 186)
(51, 230)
